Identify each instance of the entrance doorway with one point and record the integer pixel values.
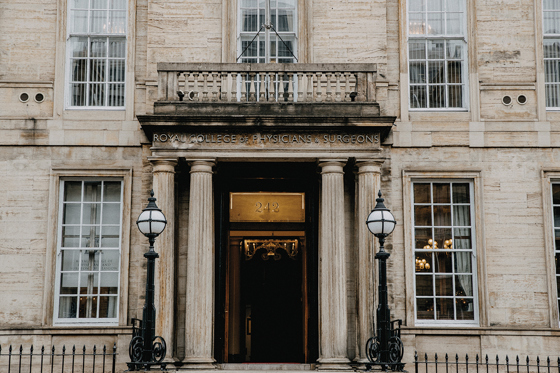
(267, 297)
(266, 288)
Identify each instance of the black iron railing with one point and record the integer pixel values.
(485, 364)
(52, 360)
(396, 350)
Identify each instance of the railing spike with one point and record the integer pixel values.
(435, 357)
(415, 356)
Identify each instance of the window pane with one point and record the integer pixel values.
(117, 22)
(69, 283)
(108, 307)
(454, 24)
(285, 20)
(78, 97)
(79, 46)
(422, 215)
(462, 239)
(442, 193)
(417, 72)
(72, 190)
(81, 4)
(461, 193)
(112, 191)
(443, 264)
(418, 97)
(416, 5)
(455, 5)
(417, 50)
(79, 70)
(91, 213)
(89, 283)
(425, 308)
(71, 237)
(98, 22)
(436, 49)
(79, 21)
(556, 193)
(422, 236)
(436, 72)
(454, 49)
(435, 5)
(99, 4)
(416, 24)
(462, 262)
(435, 24)
(424, 262)
(422, 193)
(441, 235)
(463, 286)
(442, 215)
(445, 309)
(110, 237)
(70, 260)
(116, 70)
(97, 95)
(88, 307)
(424, 286)
(465, 309)
(110, 260)
(71, 213)
(461, 215)
(111, 213)
(67, 307)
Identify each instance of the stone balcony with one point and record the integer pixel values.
(289, 95)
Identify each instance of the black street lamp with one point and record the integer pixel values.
(386, 348)
(146, 349)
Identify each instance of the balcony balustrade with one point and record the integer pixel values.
(267, 82)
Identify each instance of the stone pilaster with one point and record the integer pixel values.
(164, 191)
(200, 268)
(368, 183)
(333, 297)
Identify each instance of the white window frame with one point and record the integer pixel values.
(480, 290)
(548, 37)
(441, 38)
(550, 177)
(266, 33)
(68, 73)
(89, 321)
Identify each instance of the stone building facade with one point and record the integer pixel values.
(265, 129)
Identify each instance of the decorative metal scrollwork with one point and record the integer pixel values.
(373, 349)
(159, 349)
(250, 247)
(136, 349)
(396, 350)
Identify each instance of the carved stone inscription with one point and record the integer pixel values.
(263, 139)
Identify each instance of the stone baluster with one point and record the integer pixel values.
(310, 91)
(332, 261)
(252, 87)
(319, 97)
(368, 182)
(163, 174)
(290, 87)
(223, 86)
(234, 77)
(262, 90)
(329, 87)
(205, 86)
(213, 94)
(200, 270)
(299, 88)
(347, 89)
(272, 85)
(196, 88)
(243, 87)
(337, 92)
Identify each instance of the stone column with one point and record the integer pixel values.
(368, 184)
(164, 191)
(200, 268)
(332, 263)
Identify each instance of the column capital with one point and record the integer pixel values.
(201, 165)
(329, 166)
(368, 165)
(163, 164)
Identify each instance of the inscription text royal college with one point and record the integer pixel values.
(267, 138)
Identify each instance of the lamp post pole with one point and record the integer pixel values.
(146, 349)
(386, 348)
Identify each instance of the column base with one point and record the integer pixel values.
(333, 364)
(197, 363)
